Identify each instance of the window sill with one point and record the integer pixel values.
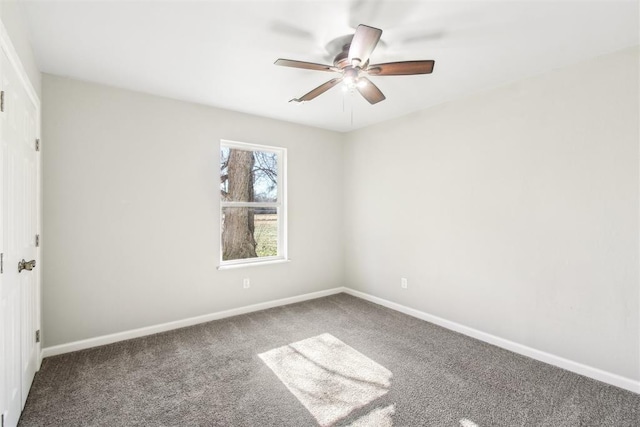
(252, 264)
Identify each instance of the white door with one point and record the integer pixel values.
(19, 290)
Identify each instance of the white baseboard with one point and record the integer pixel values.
(150, 330)
(569, 365)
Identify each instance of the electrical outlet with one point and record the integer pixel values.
(246, 283)
(403, 283)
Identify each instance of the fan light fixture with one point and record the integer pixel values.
(351, 85)
(353, 65)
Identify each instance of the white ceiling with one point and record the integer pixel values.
(221, 53)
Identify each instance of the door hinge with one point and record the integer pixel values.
(37, 144)
(1, 263)
(37, 240)
(38, 335)
(2, 101)
(2, 420)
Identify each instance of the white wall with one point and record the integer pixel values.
(13, 20)
(513, 211)
(131, 210)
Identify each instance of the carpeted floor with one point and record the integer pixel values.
(213, 375)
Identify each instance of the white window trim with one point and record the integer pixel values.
(281, 205)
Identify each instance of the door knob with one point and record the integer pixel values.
(26, 265)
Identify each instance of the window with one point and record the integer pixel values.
(252, 203)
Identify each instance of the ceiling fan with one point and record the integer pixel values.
(353, 65)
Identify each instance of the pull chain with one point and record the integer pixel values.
(351, 104)
(344, 94)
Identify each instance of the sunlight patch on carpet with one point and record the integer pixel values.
(330, 378)
(379, 417)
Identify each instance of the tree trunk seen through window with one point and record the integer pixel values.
(238, 240)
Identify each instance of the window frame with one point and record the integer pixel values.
(280, 205)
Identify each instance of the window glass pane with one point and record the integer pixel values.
(248, 176)
(266, 231)
(249, 233)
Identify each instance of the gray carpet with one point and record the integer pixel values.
(212, 375)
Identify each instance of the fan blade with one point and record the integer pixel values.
(369, 91)
(403, 68)
(318, 91)
(304, 65)
(364, 41)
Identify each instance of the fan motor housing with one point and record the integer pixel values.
(342, 59)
